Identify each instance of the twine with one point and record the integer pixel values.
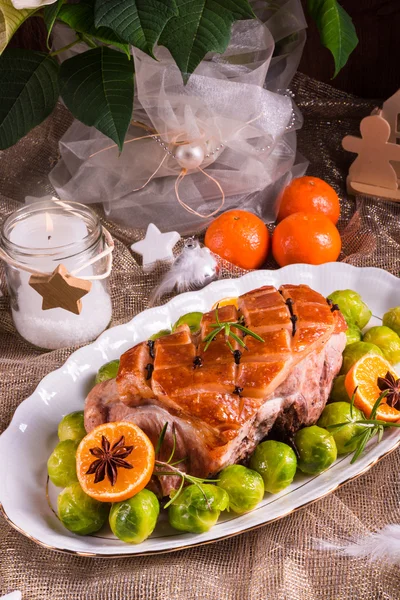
(182, 173)
(106, 253)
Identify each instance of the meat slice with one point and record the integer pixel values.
(222, 401)
(133, 379)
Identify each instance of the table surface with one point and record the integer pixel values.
(277, 561)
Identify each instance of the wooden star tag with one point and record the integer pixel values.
(61, 290)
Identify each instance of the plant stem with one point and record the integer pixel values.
(67, 47)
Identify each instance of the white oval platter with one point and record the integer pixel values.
(27, 443)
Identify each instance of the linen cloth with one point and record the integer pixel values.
(278, 561)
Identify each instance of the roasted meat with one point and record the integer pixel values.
(220, 401)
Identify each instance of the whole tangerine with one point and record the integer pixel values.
(240, 237)
(310, 195)
(306, 238)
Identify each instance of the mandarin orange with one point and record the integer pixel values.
(310, 195)
(114, 461)
(362, 381)
(226, 302)
(305, 238)
(240, 237)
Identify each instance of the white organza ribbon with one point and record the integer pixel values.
(224, 112)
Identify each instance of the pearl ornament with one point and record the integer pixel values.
(188, 156)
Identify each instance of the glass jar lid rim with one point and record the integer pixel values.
(43, 206)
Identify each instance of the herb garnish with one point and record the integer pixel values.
(169, 468)
(227, 327)
(373, 426)
(109, 460)
(392, 385)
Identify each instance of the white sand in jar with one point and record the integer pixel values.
(58, 328)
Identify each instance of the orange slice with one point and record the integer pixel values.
(364, 376)
(226, 302)
(114, 461)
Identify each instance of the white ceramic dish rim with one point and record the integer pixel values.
(209, 295)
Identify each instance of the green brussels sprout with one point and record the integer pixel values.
(342, 412)
(317, 449)
(107, 371)
(244, 487)
(391, 319)
(354, 352)
(197, 510)
(338, 391)
(133, 520)
(352, 307)
(80, 513)
(353, 335)
(193, 319)
(61, 465)
(276, 462)
(71, 427)
(159, 334)
(387, 340)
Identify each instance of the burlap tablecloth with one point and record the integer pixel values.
(278, 561)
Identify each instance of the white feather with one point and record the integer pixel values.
(384, 544)
(194, 268)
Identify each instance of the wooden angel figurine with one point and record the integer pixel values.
(372, 173)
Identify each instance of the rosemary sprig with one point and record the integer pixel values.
(168, 468)
(226, 327)
(372, 426)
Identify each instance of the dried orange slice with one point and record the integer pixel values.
(226, 302)
(364, 376)
(114, 461)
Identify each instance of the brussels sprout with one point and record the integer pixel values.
(387, 340)
(61, 465)
(244, 487)
(354, 352)
(338, 391)
(276, 462)
(193, 319)
(341, 412)
(80, 513)
(317, 449)
(71, 427)
(133, 520)
(197, 510)
(354, 310)
(391, 319)
(353, 335)
(159, 334)
(107, 371)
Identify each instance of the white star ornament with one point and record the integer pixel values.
(156, 245)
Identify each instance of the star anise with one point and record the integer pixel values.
(389, 382)
(109, 459)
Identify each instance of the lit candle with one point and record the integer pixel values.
(42, 236)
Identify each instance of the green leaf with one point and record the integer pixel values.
(10, 19)
(50, 14)
(202, 26)
(97, 87)
(336, 29)
(139, 22)
(28, 92)
(80, 17)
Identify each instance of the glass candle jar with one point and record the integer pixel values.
(39, 237)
